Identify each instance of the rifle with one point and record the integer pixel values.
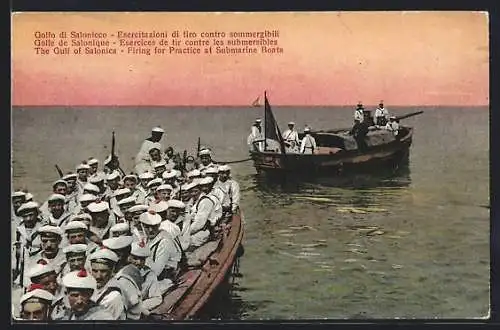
(59, 171)
(113, 156)
(198, 147)
(184, 161)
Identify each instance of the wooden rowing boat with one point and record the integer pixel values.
(195, 286)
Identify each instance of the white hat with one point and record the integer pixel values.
(160, 164)
(87, 198)
(70, 176)
(205, 152)
(104, 255)
(60, 181)
(96, 178)
(206, 180)
(291, 123)
(57, 197)
(28, 206)
(155, 145)
(188, 186)
(117, 243)
(307, 129)
(258, 120)
(130, 176)
(211, 170)
(75, 248)
(154, 182)
(150, 218)
(29, 197)
(158, 129)
(91, 187)
(37, 294)
(19, 193)
(176, 204)
(169, 174)
(107, 160)
(195, 182)
(40, 269)
(121, 226)
(146, 175)
(75, 225)
(128, 200)
(121, 191)
(392, 117)
(92, 161)
(50, 229)
(224, 168)
(98, 207)
(79, 280)
(164, 187)
(83, 167)
(81, 216)
(193, 173)
(138, 208)
(113, 175)
(159, 207)
(139, 249)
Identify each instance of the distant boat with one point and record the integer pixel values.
(256, 103)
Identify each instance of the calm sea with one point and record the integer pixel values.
(412, 244)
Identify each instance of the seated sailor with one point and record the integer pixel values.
(206, 159)
(102, 220)
(393, 125)
(201, 215)
(231, 189)
(381, 115)
(36, 304)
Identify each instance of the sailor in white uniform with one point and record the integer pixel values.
(217, 196)
(77, 232)
(176, 213)
(205, 160)
(72, 192)
(256, 135)
(57, 214)
(145, 178)
(99, 180)
(201, 215)
(79, 288)
(102, 220)
(36, 304)
(135, 225)
(108, 293)
(381, 115)
(291, 138)
(152, 196)
(82, 172)
(308, 144)
(170, 178)
(113, 184)
(231, 189)
(393, 126)
(143, 155)
(94, 168)
(359, 113)
(130, 181)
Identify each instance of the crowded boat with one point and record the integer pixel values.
(107, 245)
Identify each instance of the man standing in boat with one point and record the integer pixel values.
(358, 113)
(154, 139)
(381, 115)
(256, 135)
(308, 144)
(291, 137)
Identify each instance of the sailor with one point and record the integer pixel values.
(123, 206)
(84, 201)
(231, 189)
(169, 157)
(166, 225)
(50, 252)
(185, 196)
(200, 216)
(151, 291)
(44, 275)
(102, 220)
(176, 213)
(57, 215)
(190, 163)
(94, 168)
(205, 159)
(170, 178)
(18, 199)
(358, 113)
(152, 196)
(291, 137)
(82, 171)
(29, 197)
(76, 258)
(165, 253)
(193, 175)
(108, 293)
(36, 304)
(256, 135)
(164, 192)
(308, 144)
(90, 188)
(119, 194)
(212, 172)
(159, 168)
(99, 181)
(72, 193)
(112, 182)
(393, 125)
(120, 229)
(130, 181)
(381, 115)
(145, 178)
(127, 275)
(217, 196)
(135, 226)
(154, 139)
(77, 233)
(60, 187)
(79, 288)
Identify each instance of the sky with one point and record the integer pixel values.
(329, 58)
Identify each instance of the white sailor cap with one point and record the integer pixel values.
(18, 193)
(160, 164)
(291, 123)
(195, 183)
(75, 249)
(96, 178)
(125, 201)
(224, 168)
(169, 174)
(117, 243)
(81, 216)
(154, 182)
(50, 229)
(28, 206)
(138, 208)
(193, 173)
(206, 180)
(146, 175)
(98, 207)
(392, 117)
(307, 129)
(87, 198)
(159, 207)
(121, 191)
(158, 129)
(83, 167)
(104, 256)
(93, 161)
(70, 176)
(150, 218)
(29, 197)
(121, 226)
(60, 181)
(40, 269)
(155, 145)
(205, 152)
(130, 177)
(186, 186)
(79, 280)
(258, 120)
(211, 170)
(139, 249)
(113, 175)
(107, 160)
(37, 293)
(76, 225)
(164, 187)
(91, 187)
(174, 203)
(57, 197)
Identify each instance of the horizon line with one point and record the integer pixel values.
(238, 106)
